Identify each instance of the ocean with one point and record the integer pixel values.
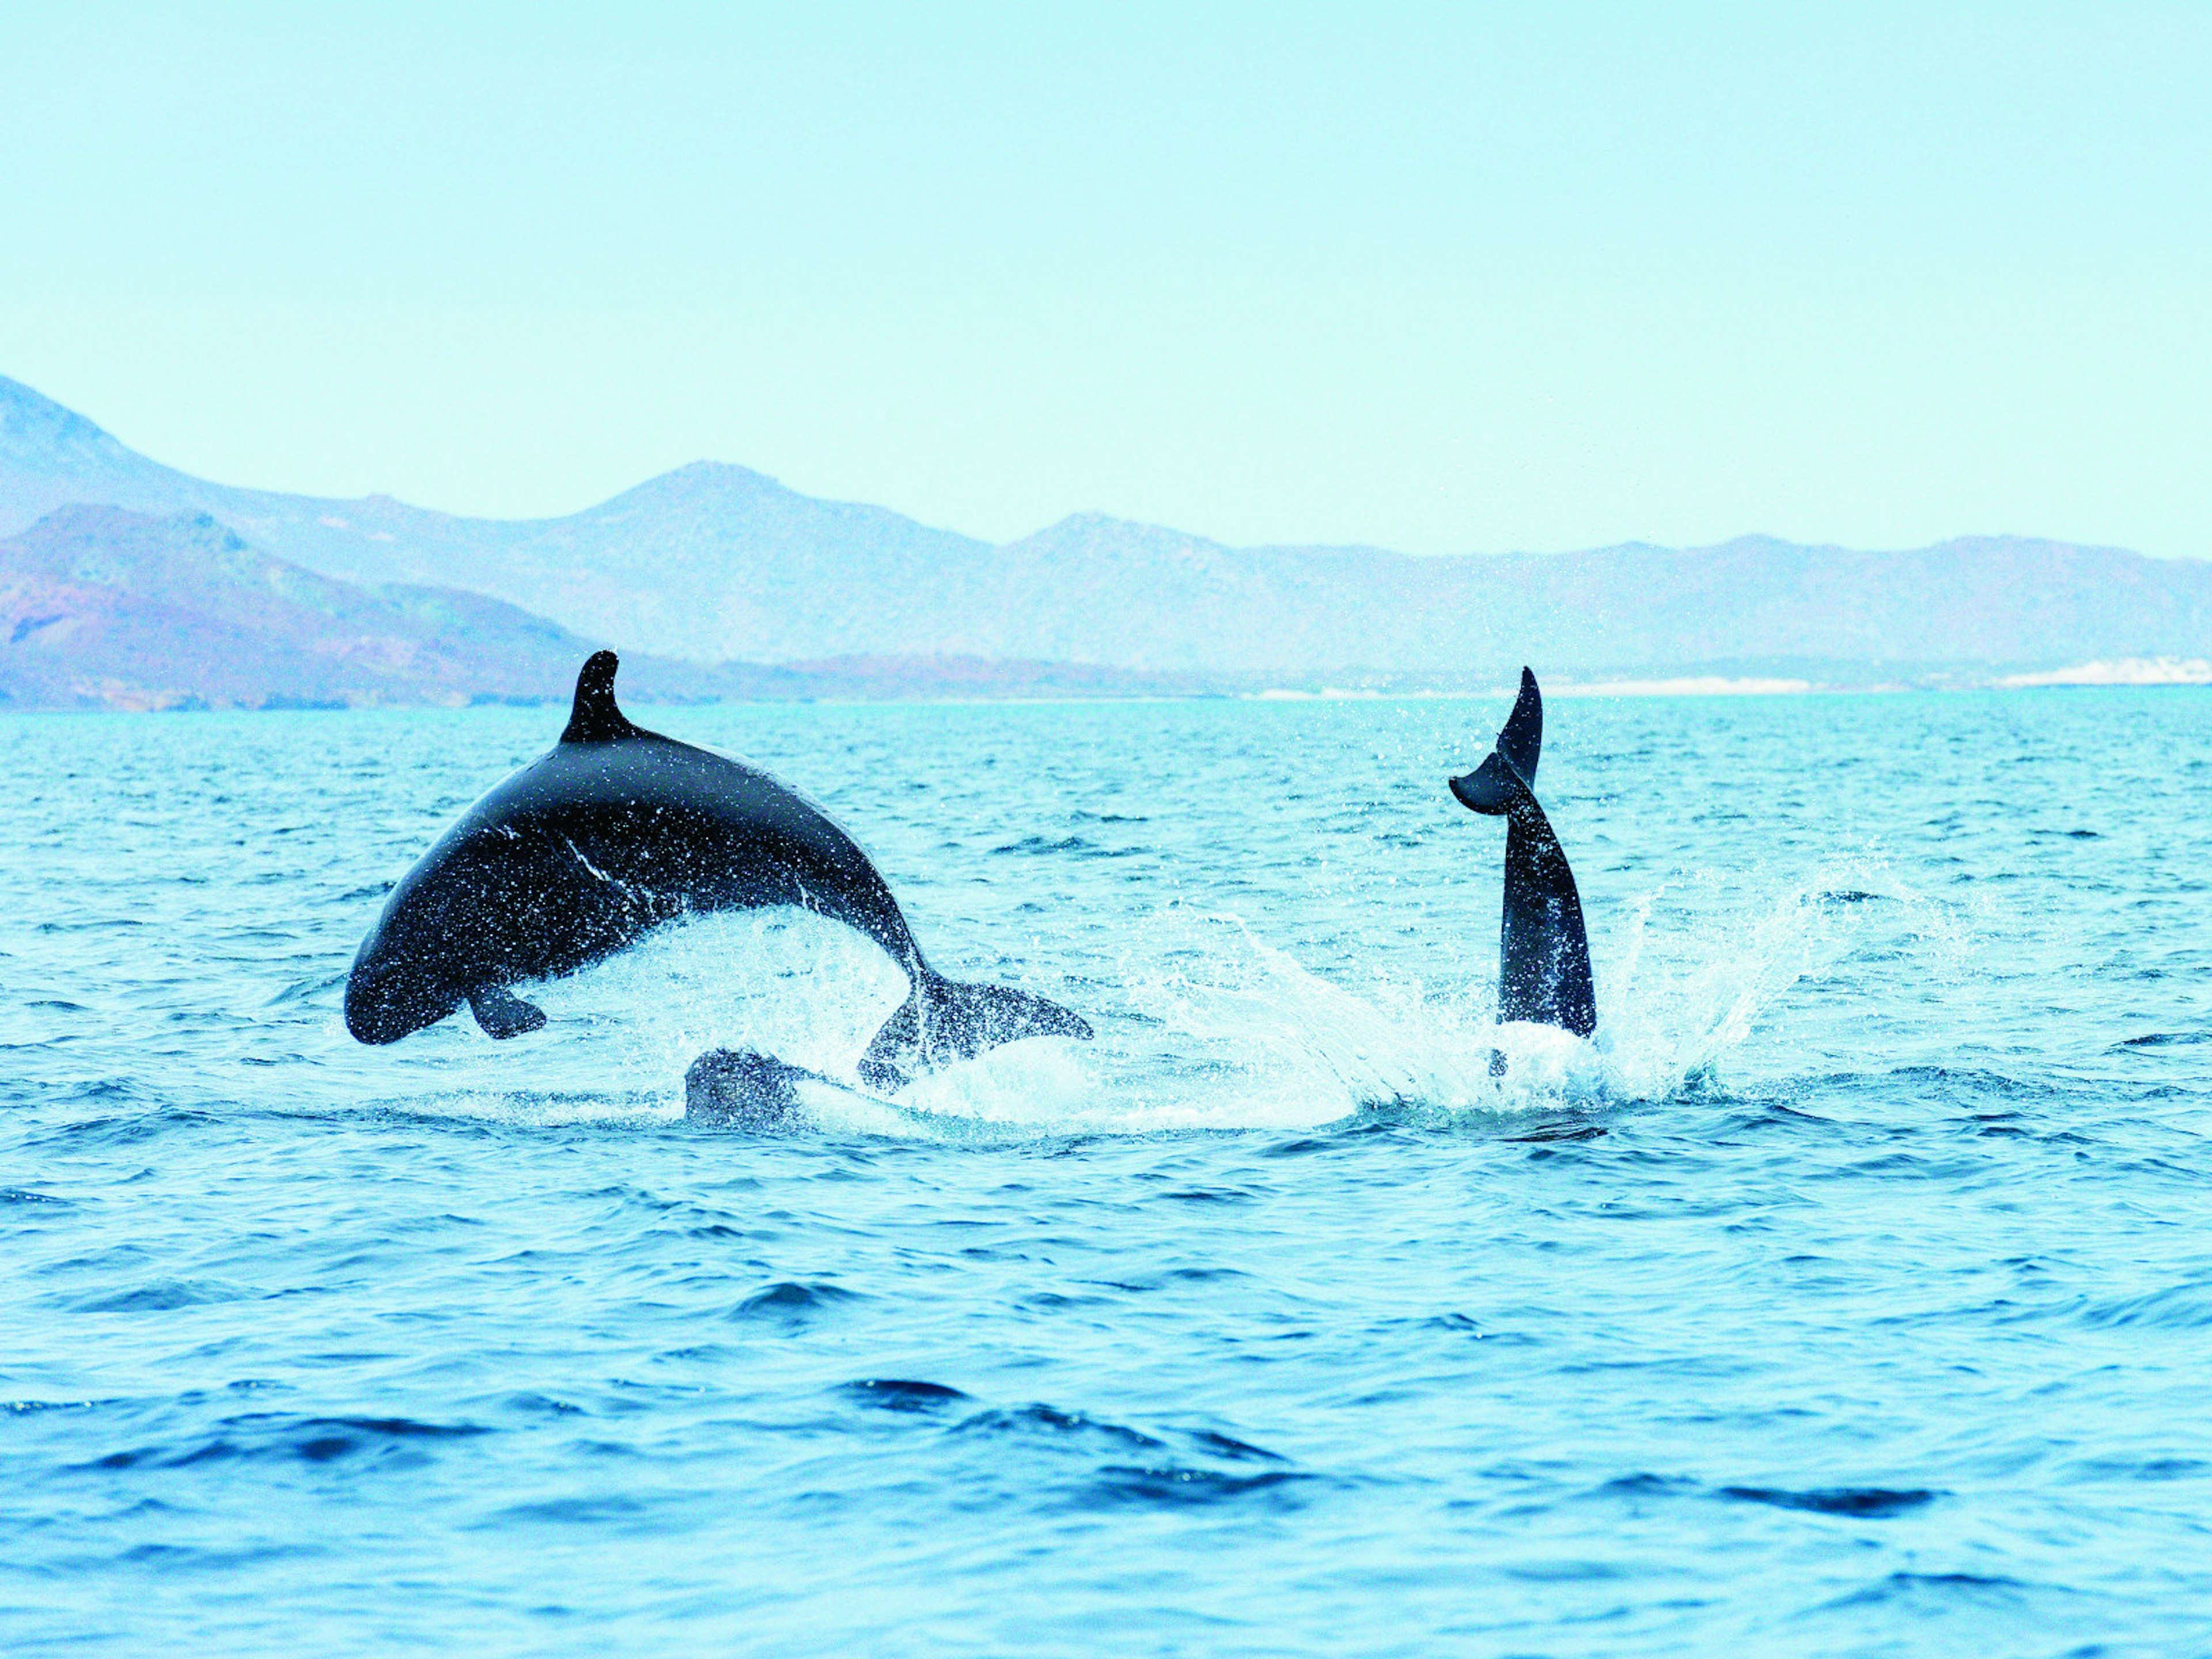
(1851, 1294)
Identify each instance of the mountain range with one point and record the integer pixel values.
(712, 566)
(104, 608)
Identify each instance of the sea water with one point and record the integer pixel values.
(1851, 1294)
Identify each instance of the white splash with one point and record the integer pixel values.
(1210, 1026)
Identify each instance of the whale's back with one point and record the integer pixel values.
(606, 836)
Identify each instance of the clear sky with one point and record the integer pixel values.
(1455, 279)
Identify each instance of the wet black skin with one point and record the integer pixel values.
(613, 832)
(1544, 964)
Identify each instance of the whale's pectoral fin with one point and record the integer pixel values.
(503, 1014)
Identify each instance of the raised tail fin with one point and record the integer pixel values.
(1520, 745)
(943, 1020)
(1543, 951)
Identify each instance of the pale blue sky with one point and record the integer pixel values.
(1444, 279)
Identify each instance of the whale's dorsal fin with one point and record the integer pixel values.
(594, 718)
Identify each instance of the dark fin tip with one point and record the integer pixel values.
(1521, 740)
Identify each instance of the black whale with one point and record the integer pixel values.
(1543, 954)
(614, 831)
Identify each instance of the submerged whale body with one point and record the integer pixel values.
(744, 1088)
(615, 831)
(1543, 954)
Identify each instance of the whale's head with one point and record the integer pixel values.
(392, 994)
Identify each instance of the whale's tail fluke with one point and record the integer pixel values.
(943, 1020)
(1520, 743)
(1543, 958)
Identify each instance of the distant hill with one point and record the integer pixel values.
(101, 607)
(708, 561)
(711, 563)
(105, 608)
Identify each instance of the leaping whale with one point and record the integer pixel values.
(615, 831)
(1543, 954)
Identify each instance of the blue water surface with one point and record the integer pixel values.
(1851, 1294)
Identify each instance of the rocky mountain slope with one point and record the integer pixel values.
(100, 607)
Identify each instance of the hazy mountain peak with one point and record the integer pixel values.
(1079, 530)
(1754, 544)
(34, 427)
(695, 484)
(722, 474)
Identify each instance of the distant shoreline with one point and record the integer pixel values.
(1628, 691)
